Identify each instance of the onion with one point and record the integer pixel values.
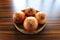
(41, 17)
(30, 24)
(19, 17)
(30, 12)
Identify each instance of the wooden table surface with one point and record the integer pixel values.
(9, 32)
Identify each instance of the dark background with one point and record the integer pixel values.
(9, 32)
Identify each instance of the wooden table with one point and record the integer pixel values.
(9, 32)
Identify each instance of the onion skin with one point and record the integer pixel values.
(41, 17)
(30, 24)
(30, 12)
(19, 17)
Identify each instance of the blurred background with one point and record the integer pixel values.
(48, 6)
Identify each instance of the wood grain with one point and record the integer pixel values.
(9, 32)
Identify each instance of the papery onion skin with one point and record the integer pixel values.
(30, 24)
(19, 17)
(41, 17)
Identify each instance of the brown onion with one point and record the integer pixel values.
(41, 17)
(19, 17)
(30, 24)
(30, 12)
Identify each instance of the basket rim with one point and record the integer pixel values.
(26, 32)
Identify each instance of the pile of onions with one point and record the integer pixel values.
(30, 18)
